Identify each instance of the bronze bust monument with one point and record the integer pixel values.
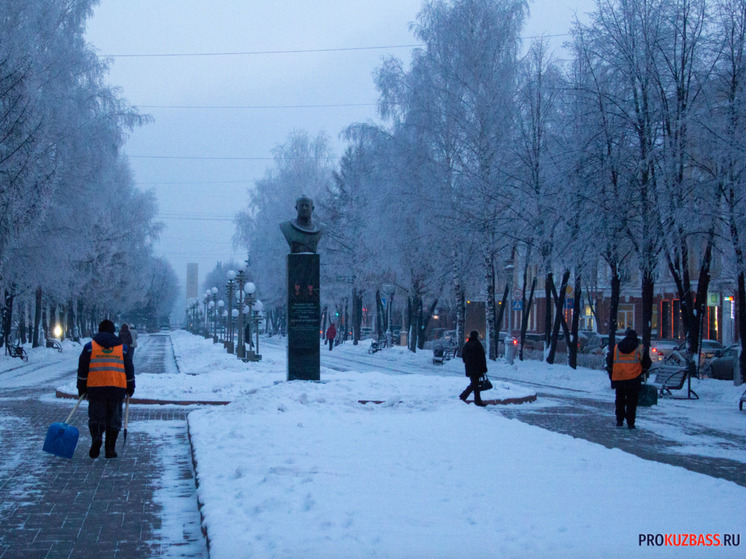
(301, 233)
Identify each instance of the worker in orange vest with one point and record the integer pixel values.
(105, 374)
(630, 362)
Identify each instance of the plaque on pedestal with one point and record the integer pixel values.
(304, 316)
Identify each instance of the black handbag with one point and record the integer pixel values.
(484, 383)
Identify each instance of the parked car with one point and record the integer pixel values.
(660, 349)
(449, 335)
(724, 363)
(595, 344)
(708, 349)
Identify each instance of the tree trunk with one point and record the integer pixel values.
(37, 317)
(741, 328)
(572, 349)
(490, 307)
(501, 312)
(559, 319)
(460, 299)
(379, 315)
(413, 323)
(357, 314)
(23, 320)
(525, 314)
(616, 288)
(424, 320)
(7, 316)
(548, 286)
(648, 287)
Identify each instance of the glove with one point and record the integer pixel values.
(82, 392)
(130, 391)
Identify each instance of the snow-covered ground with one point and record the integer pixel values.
(302, 469)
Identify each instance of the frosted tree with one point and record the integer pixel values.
(455, 106)
(540, 155)
(724, 129)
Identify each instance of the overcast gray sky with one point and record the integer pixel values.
(297, 64)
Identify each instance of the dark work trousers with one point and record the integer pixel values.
(106, 412)
(626, 404)
(473, 387)
(331, 344)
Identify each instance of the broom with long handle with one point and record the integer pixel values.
(126, 418)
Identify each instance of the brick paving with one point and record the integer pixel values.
(594, 420)
(54, 507)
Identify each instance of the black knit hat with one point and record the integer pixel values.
(106, 325)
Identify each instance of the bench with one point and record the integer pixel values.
(671, 377)
(54, 344)
(443, 354)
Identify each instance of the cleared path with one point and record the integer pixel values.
(141, 504)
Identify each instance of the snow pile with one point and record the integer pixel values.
(302, 470)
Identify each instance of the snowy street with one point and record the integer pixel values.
(450, 480)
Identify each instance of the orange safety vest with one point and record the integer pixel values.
(626, 365)
(107, 366)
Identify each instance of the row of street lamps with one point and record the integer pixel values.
(247, 311)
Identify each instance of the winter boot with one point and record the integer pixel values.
(97, 432)
(111, 443)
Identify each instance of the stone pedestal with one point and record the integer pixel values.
(304, 316)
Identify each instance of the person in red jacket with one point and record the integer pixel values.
(331, 333)
(105, 374)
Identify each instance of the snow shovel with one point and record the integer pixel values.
(62, 438)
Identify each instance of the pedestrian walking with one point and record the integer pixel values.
(475, 364)
(331, 333)
(630, 362)
(129, 338)
(105, 374)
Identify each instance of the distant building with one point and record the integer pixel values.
(192, 282)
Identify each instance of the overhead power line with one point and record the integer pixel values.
(290, 51)
(231, 107)
(201, 158)
(257, 52)
(209, 158)
(245, 181)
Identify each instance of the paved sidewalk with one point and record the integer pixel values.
(53, 507)
(594, 420)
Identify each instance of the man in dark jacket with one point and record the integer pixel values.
(630, 361)
(475, 363)
(105, 374)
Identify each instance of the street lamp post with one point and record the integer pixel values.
(213, 306)
(509, 345)
(206, 306)
(241, 279)
(221, 314)
(250, 291)
(257, 308)
(389, 289)
(231, 275)
(234, 320)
